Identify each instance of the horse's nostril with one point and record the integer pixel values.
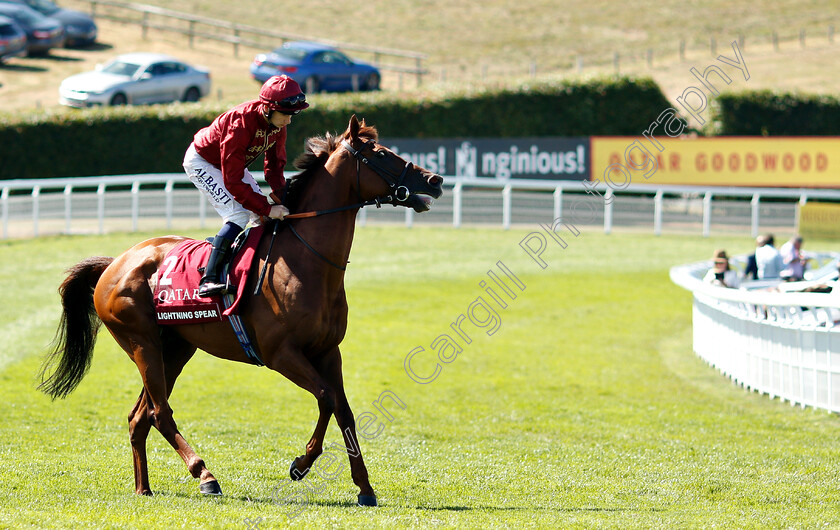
(435, 180)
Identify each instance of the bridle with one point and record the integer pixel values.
(399, 194)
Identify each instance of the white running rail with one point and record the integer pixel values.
(30, 207)
(784, 344)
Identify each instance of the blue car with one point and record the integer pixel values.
(12, 39)
(42, 33)
(79, 28)
(316, 68)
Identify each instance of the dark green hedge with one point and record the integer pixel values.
(153, 139)
(765, 113)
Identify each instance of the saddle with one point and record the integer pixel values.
(176, 290)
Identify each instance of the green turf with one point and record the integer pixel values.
(586, 408)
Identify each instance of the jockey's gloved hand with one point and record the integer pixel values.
(278, 211)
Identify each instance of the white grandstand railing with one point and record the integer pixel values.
(784, 344)
(467, 200)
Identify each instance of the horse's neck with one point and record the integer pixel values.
(332, 186)
(330, 234)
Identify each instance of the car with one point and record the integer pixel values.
(79, 28)
(136, 79)
(316, 67)
(42, 33)
(12, 39)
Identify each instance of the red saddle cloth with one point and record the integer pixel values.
(176, 292)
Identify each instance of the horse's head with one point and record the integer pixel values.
(384, 175)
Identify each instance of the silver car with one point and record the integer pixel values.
(136, 79)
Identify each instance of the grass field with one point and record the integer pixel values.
(586, 408)
(496, 42)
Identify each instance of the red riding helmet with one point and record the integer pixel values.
(282, 93)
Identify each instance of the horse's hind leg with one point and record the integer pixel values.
(144, 345)
(138, 430)
(139, 419)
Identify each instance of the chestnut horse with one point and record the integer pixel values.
(296, 322)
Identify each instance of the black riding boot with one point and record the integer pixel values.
(210, 281)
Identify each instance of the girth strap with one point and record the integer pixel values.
(235, 321)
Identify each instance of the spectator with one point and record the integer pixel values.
(768, 259)
(794, 260)
(751, 270)
(721, 273)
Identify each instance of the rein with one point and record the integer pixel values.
(316, 213)
(310, 247)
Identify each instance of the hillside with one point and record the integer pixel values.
(505, 35)
(494, 43)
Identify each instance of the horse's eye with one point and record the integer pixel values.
(380, 154)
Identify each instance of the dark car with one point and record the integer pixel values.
(316, 67)
(12, 39)
(79, 28)
(42, 33)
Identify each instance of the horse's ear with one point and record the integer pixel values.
(354, 127)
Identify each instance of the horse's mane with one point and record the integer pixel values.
(317, 150)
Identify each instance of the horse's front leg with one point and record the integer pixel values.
(346, 422)
(296, 367)
(301, 465)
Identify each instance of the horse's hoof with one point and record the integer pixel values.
(367, 500)
(210, 488)
(145, 493)
(294, 473)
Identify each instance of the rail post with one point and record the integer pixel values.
(707, 214)
(100, 207)
(4, 201)
(170, 184)
(506, 206)
(657, 213)
(419, 63)
(754, 205)
(135, 205)
(36, 208)
(558, 204)
(457, 193)
(68, 202)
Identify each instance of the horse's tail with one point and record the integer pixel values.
(72, 347)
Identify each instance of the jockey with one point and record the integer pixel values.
(218, 158)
